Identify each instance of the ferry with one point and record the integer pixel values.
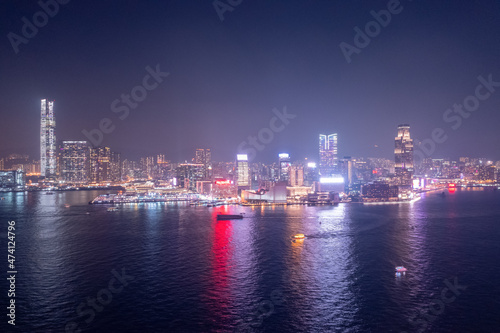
(299, 236)
(112, 209)
(229, 217)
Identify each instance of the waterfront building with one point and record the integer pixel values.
(403, 153)
(328, 154)
(487, 173)
(334, 183)
(275, 193)
(223, 188)
(48, 158)
(187, 174)
(12, 179)
(380, 191)
(75, 161)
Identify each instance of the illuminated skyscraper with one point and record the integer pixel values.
(242, 172)
(48, 158)
(284, 165)
(328, 159)
(104, 165)
(188, 174)
(297, 174)
(403, 154)
(204, 156)
(75, 161)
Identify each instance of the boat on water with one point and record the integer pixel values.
(299, 236)
(400, 270)
(112, 209)
(49, 192)
(229, 217)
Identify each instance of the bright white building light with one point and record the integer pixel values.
(242, 157)
(331, 180)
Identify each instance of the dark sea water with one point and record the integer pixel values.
(187, 272)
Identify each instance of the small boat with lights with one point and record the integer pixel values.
(112, 209)
(229, 217)
(400, 270)
(299, 236)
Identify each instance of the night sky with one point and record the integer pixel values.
(225, 77)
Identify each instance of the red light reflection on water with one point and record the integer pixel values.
(222, 252)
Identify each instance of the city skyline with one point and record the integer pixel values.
(240, 166)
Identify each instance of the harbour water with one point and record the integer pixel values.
(171, 267)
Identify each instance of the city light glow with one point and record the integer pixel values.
(331, 180)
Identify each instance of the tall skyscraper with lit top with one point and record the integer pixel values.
(403, 154)
(48, 158)
(328, 154)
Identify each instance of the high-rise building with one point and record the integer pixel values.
(75, 161)
(297, 174)
(100, 168)
(284, 167)
(12, 179)
(204, 156)
(187, 174)
(242, 172)
(115, 167)
(328, 154)
(48, 158)
(403, 153)
(347, 169)
(310, 173)
(148, 166)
